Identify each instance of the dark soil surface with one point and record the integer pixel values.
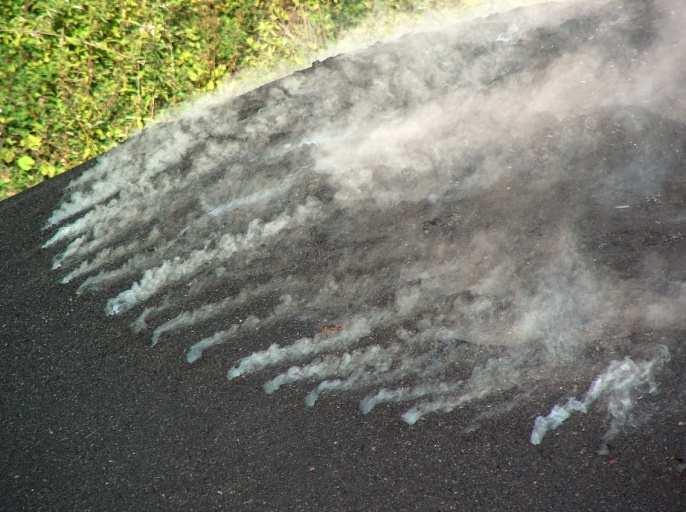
(94, 419)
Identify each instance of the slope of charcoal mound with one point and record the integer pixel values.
(444, 272)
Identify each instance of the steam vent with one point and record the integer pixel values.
(444, 272)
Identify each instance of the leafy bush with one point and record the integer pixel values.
(78, 76)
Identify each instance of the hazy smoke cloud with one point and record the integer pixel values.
(473, 212)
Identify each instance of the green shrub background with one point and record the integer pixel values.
(79, 76)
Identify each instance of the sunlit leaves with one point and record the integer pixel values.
(25, 162)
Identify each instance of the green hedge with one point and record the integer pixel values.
(79, 76)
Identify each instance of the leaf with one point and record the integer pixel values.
(31, 142)
(7, 155)
(47, 170)
(25, 162)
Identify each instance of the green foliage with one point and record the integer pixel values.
(78, 76)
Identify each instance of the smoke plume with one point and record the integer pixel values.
(473, 212)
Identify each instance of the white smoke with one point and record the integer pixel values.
(618, 385)
(463, 214)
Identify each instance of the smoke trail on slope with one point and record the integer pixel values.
(618, 383)
(478, 211)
